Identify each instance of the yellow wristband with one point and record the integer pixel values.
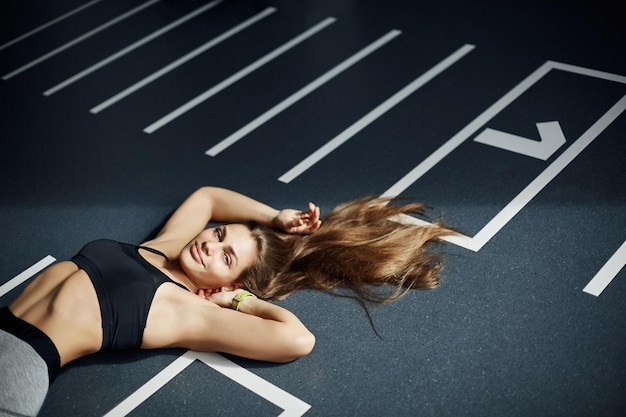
(240, 297)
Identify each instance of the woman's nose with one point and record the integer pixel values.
(212, 247)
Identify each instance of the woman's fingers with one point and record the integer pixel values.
(296, 221)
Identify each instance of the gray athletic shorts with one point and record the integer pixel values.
(23, 377)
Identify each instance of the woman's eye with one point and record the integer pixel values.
(227, 259)
(218, 233)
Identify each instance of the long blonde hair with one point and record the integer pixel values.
(360, 246)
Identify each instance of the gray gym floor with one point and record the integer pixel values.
(506, 118)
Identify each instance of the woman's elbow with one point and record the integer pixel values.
(305, 343)
(298, 346)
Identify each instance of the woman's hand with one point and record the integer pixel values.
(296, 221)
(223, 297)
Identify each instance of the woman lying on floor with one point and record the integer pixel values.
(218, 284)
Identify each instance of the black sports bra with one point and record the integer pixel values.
(125, 284)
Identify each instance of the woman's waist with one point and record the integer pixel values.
(67, 312)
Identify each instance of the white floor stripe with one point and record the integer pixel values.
(238, 75)
(150, 387)
(292, 406)
(131, 48)
(20, 278)
(607, 273)
(300, 94)
(79, 39)
(47, 25)
(459, 240)
(588, 72)
(436, 157)
(374, 114)
(543, 179)
(182, 60)
(476, 242)
(449, 146)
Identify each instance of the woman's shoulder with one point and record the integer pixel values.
(174, 315)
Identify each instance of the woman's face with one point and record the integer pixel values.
(218, 256)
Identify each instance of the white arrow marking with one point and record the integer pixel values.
(552, 138)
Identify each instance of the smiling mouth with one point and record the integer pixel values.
(195, 254)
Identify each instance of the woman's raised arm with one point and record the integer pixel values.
(258, 330)
(222, 205)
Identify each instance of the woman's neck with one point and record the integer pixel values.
(175, 272)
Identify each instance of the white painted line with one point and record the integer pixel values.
(373, 115)
(182, 60)
(588, 72)
(476, 242)
(20, 278)
(459, 240)
(237, 76)
(445, 149)
(607, 273)
(130, 48)
(436, 157)
(79, 39)
(300, 94)
(150, 387)
(543, 179)
(292, 406)
(47, 25)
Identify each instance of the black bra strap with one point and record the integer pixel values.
(155, 251)
(158, 252)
